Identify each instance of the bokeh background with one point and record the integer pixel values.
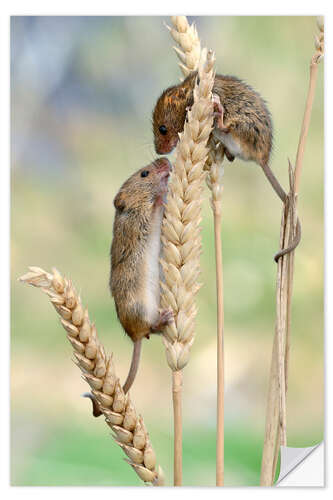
(82, 92)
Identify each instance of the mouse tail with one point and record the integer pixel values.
(96, 411)
(274, 182)
(134, 366)
(283, 196)
(129, 381)
(294, 243)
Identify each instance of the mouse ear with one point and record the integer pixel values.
(119, 202)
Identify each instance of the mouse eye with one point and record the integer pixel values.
(145, 173)
(163, 129)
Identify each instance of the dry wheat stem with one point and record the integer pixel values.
(214, 182)
(214, 178)
(275, 431)
(281, 303)
(284, 317)
(177, 386)
(220, 347)
(98, 371)
(316, 59)
(272, 410)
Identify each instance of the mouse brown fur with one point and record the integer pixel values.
(243, 125)
(135, 251)
(245, 114)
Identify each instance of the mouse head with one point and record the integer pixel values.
(146, 188)
(170, 113)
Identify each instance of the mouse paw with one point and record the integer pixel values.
(165, 318)
(229, 156)
(218, 113)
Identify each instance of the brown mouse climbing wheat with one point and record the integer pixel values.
(135, 252)
(243, 125)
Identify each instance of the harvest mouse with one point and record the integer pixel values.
(135, 250)
(243, 125)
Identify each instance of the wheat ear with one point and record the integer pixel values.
(182, 243)
(186, 36)
(98, 371)
(189, 54)
(276, 418)
(180, 227)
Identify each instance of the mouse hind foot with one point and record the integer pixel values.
(219, 113)
(229, 156)
(165, 318)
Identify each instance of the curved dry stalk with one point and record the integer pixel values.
(317, 57)
(276, 427)
(98, 371)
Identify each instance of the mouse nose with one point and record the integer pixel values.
(163, 164)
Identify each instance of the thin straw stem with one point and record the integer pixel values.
(276, 455)
(272, 421)
(220, 346)
(306, 123)
(177, 387)
(282, 309)
(289, 301)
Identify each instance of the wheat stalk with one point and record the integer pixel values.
(98, 371)
(214, 182)
(276, 425)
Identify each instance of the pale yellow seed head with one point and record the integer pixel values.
(98, 371)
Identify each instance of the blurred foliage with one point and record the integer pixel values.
(82, 92)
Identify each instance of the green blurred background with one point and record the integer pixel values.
(82, 91)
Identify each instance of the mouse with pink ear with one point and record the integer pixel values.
(135, 253)
(242, 124)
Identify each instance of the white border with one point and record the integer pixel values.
(283, 7)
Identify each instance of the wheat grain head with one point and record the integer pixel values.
(319, 41)
(98, 371)
(180, 227)
(186, 37)
(190, 53)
